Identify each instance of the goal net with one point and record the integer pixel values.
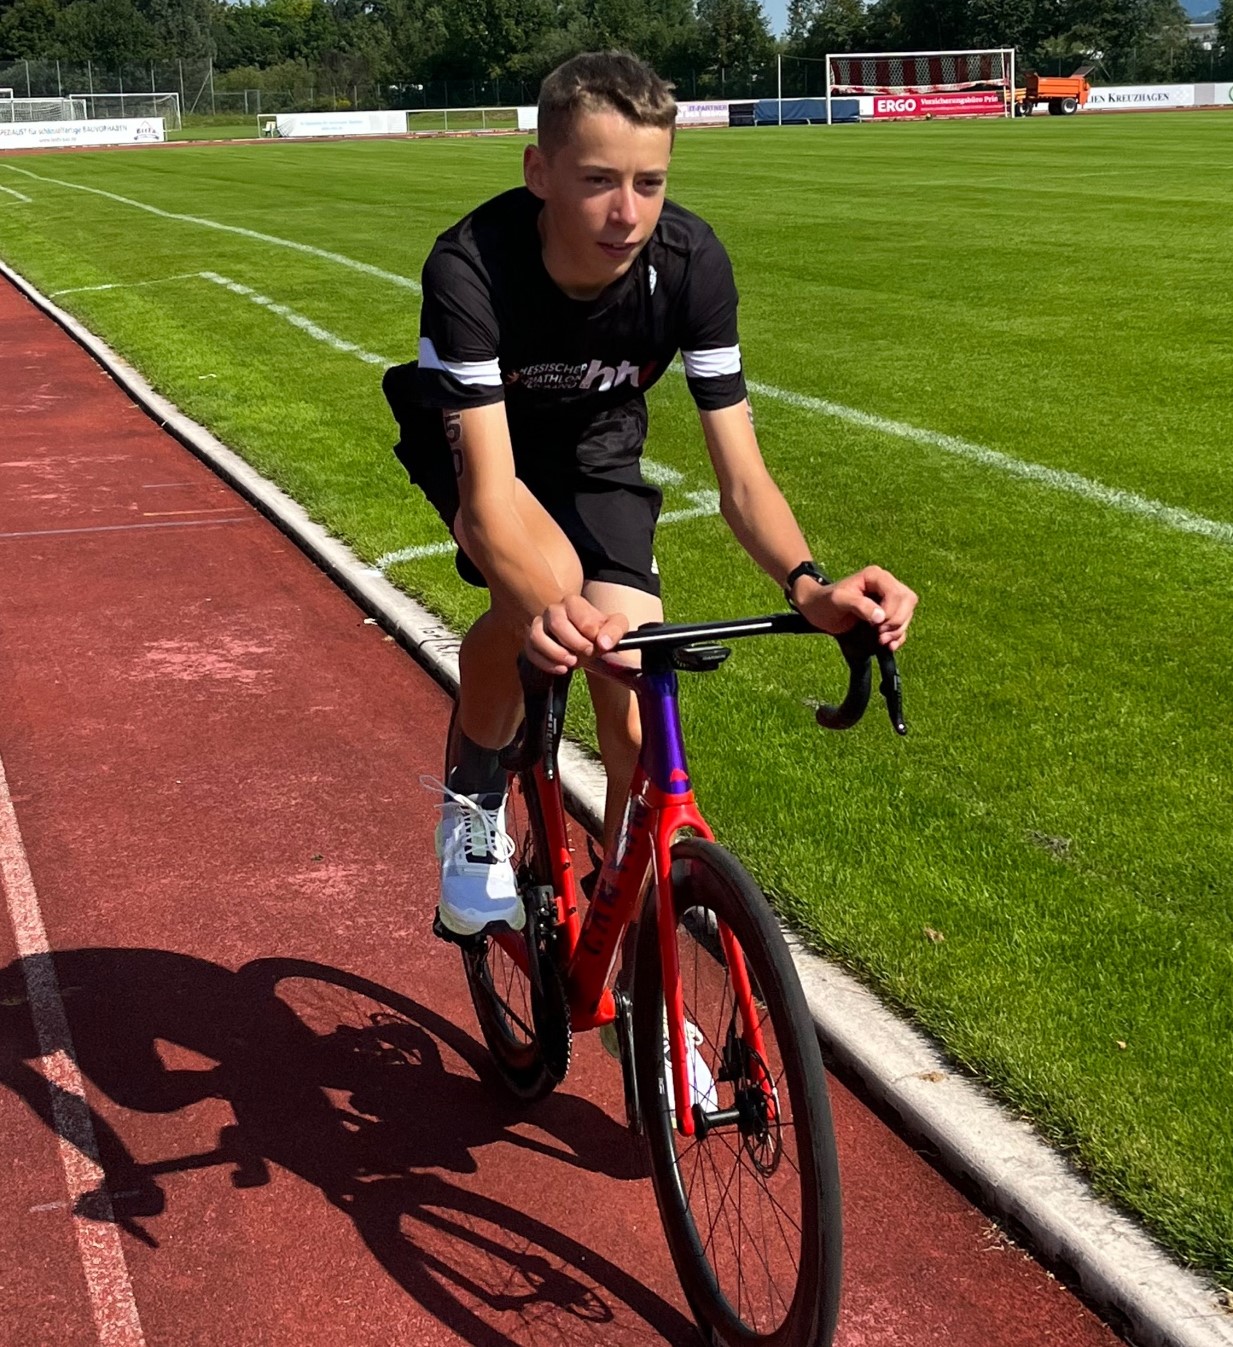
(108, 107)
(927, 83)
(38, 109)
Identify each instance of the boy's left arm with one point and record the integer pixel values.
(757, 513)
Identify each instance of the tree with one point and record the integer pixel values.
(816, 27)
(28, 29)
(1224, 27)
(734, 41)
(110, 33)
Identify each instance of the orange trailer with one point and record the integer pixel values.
(1062, 95)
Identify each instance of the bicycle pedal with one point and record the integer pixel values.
(443, 932)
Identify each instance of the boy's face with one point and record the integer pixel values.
(603, 191)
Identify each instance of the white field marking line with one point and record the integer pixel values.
(705, 503)
(98, 1241)
(405, 282)
(124, 285)
(307, 325)
(20, 196)
(1171, 516)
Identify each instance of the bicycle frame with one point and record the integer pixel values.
(660, 808)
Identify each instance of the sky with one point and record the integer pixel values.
(777, 12)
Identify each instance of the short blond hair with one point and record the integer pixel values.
(598, 81)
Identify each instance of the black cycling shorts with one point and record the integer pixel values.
(611, 526)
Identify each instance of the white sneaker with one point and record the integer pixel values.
(702, 1087)
(478, 888)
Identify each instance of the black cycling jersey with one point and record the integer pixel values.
(573, 373)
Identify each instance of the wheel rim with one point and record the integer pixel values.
(741, 1181)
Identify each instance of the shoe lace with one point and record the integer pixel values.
(484, 831)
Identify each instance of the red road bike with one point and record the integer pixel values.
(722, 1070)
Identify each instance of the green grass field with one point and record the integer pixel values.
(1051, 291)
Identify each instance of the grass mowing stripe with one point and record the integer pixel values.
(1172, 516)
(366, 267)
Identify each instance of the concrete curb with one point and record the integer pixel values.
(1021, 1179)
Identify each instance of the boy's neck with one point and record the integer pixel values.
(557, 264)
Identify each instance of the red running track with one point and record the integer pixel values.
(216, 826)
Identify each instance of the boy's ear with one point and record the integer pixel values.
(534, 168)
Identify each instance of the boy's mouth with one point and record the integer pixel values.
(617, 251)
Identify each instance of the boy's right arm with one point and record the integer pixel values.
(562, 627)
(496, 537)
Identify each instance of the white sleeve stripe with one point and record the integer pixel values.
(712, 364)
(486, 373)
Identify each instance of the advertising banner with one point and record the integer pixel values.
(1141, 97)
(967, 103)
(707, 112)
(342, 124)
(54, 135)
(711, 112)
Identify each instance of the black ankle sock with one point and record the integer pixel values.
(477, 771)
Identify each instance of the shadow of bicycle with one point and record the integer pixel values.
(345, 1084)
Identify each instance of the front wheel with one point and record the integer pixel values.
(750, 1203)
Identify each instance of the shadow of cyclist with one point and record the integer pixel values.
(276, 1038)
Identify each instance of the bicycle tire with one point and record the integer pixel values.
(791, 1296)
(525, 1027)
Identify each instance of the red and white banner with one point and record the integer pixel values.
(971, 103)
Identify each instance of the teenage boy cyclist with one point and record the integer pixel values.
(547, 314)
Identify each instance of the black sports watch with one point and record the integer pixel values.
(805, 568)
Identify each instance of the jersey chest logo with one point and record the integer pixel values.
(595, 377)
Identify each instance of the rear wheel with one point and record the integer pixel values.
(1069, 106)
(524, 1019)
(750, 1203)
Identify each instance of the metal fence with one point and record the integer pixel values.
(249, 92)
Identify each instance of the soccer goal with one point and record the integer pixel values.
(922, 84)
(108, 107)
(14, 109)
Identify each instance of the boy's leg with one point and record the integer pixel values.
(489, 694)
(616, 709)
(479, 891)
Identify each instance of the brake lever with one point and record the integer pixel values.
(859, 646)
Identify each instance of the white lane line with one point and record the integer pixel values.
(98, 1241)
(405, 282)
(124, 285)
(307, 325)
(126, 528)
(1087, 488)
(20, 196)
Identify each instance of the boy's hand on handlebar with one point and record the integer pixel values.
(572, 630)
(872, 595)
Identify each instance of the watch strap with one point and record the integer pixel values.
(810, 568)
